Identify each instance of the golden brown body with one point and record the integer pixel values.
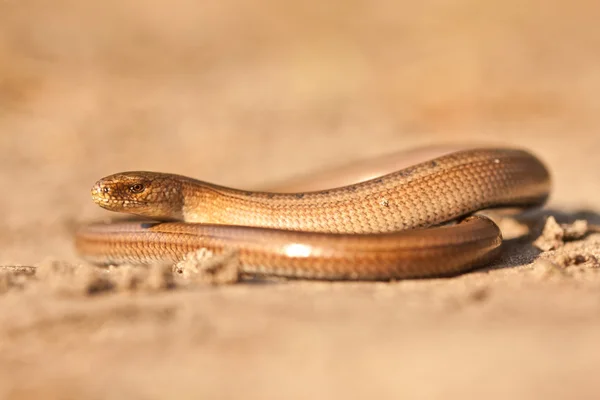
(361, 231)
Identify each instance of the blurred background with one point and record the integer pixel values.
(249, 93)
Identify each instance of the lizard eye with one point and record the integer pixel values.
(105, 189)
(137, 188)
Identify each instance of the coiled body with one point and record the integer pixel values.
(370, 230)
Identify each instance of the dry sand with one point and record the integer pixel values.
(246, 94)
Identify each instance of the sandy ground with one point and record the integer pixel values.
(246, 94)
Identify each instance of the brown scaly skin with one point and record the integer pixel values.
(375, 212)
